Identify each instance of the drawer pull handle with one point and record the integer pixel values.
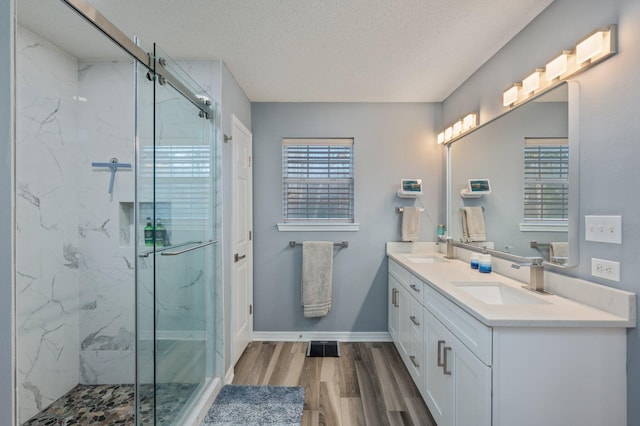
(413, 320)
(393, 297)
(413, 361)
(414, 288)
(440, 343)
(445, 368)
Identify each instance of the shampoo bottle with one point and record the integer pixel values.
(161, 234)
(148, 233)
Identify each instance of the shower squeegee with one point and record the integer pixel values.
(114, 166)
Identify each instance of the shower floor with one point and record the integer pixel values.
(115, 405)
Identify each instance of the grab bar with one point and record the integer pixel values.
(146, 254)
(343, 244)
(175, 253)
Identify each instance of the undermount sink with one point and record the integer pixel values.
(427, 259)
(497, 293)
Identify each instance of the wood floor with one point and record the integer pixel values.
(366, 385)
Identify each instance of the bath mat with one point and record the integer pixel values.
(256, 405)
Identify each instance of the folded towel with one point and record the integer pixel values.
(411, 224)
(317, 267)
(558, 250)
(473, 224)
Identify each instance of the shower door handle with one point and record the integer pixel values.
(200, 245)
(237, 257)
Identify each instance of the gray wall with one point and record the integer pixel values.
(392, 141)
(6, 201)
(234, 102)
(609, 129)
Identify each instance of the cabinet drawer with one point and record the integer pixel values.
(416, 322)
(399, 272)
(414, 363)
(417, 289)
(471, 332)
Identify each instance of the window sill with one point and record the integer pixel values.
(325, 227)
(544, 227)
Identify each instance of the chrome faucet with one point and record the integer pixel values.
(536, 274)
(450, 254)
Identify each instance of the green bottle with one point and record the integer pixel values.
(148, 233)
(161, 234)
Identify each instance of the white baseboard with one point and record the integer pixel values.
(228, 378)
(341, 336)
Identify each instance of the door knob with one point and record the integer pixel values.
(238, 258)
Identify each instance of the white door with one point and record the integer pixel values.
(241, 236)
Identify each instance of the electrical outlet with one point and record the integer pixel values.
(607, 269)
(603, 229)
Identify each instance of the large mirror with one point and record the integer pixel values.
(529, 156)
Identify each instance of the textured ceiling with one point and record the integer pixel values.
(312, 50)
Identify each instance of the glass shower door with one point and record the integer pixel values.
(177, 219)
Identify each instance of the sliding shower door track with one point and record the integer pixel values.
(105, 26)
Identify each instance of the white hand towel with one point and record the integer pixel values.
(473, 224)
(317, 269)
(558, 250)
(411, 224)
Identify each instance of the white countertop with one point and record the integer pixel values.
(557, 312)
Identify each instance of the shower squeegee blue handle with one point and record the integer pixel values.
(114, 166)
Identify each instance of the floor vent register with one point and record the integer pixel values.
(321, 348)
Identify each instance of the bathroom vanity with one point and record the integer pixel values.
(484, 351)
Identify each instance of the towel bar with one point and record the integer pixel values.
(343, 244)
(401, 209)
(463, 209)
(535, 244)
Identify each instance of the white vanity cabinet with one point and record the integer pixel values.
(394, 308)
(457, 385)
(454, 382)
(406, 319)
(555, 363)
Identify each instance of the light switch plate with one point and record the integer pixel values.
(607, 269)
(603, 229)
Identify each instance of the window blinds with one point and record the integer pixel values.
(546, 179)
(183, 190)
(317, 180)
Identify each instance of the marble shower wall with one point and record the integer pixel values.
(106, 129)
(74, 241)
(47, 240)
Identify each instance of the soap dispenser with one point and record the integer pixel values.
(484, 263)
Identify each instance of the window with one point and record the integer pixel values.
(546, 182)
(317, 183)
(183, 190)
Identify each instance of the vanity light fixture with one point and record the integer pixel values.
(532, 82)
(458, 128)
(469, 121)
(448, 133)
(592, 46)
(558, 66)
(510, 96)
(590, 50)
